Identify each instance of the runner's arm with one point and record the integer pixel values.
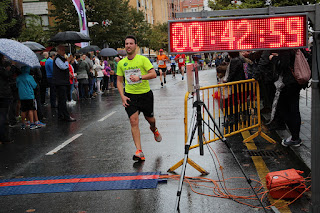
(121, 91)
(151, 74)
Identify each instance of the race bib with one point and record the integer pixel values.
(128, 73)
(161, 62)
(173, 61)
(181, 60)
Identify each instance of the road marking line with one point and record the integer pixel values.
(52, 152)
(107, 116)
(262, 171)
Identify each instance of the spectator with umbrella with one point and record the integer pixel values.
(109, 67)
(69, 37)
(61, 80)
(17, 52)
(5, 99)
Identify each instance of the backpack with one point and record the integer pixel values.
(301, 71)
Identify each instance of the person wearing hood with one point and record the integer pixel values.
(98, 67)
(26, 86)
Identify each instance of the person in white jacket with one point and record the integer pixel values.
(98, 67)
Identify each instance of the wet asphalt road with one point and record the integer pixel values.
(106, 146)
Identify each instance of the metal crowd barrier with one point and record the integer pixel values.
(235, 107)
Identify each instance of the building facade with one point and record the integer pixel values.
(192, 5)
(174, 6)
(39, 8)
(156, 12)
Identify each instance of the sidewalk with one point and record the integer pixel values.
(304, 151)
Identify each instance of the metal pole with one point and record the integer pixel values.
(315, 115)
(315, 118)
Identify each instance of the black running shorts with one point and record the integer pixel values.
(140, 102)
(27, 105)
(164, 70)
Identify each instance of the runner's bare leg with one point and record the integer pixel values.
(160, 71)
(134, 121)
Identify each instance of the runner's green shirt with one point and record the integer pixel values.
(139, 65)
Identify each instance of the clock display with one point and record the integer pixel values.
(249, 33)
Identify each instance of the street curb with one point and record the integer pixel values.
(292, 150)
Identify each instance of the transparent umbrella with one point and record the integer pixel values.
(18, 52)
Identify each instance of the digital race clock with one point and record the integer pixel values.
(236, 34)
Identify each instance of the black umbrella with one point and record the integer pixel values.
(122, 52)
(108, 52)
(89, 49)
(34, 46)
(70, 37)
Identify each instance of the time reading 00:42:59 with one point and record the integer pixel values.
(238, 34)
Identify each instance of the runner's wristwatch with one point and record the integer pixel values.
(140, 77)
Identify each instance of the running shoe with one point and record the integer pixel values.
(27, 123)
(139, 156)
(157, 135)
(40, 124)
(161, 84)
(182, 77)
(164, 80)
(33, 126)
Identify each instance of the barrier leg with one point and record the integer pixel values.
(175, 166)
(267, 137)
(259, 133)
(191, 163)
(197, 167)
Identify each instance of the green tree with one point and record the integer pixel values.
(140, 28)
(121, 18)
(9, 21)
(34, 30)
(159, 37)
(220, 4)
(227, 4)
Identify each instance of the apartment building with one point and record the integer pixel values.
(156, 11)
(192, 5)
(39, 8)
(174, 6)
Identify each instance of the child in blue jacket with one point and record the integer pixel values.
(26, 85)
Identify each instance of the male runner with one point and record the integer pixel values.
(137, 97)
(161, 60)
(181, 59)
(173, 66)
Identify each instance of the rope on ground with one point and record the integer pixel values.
(237, 194)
